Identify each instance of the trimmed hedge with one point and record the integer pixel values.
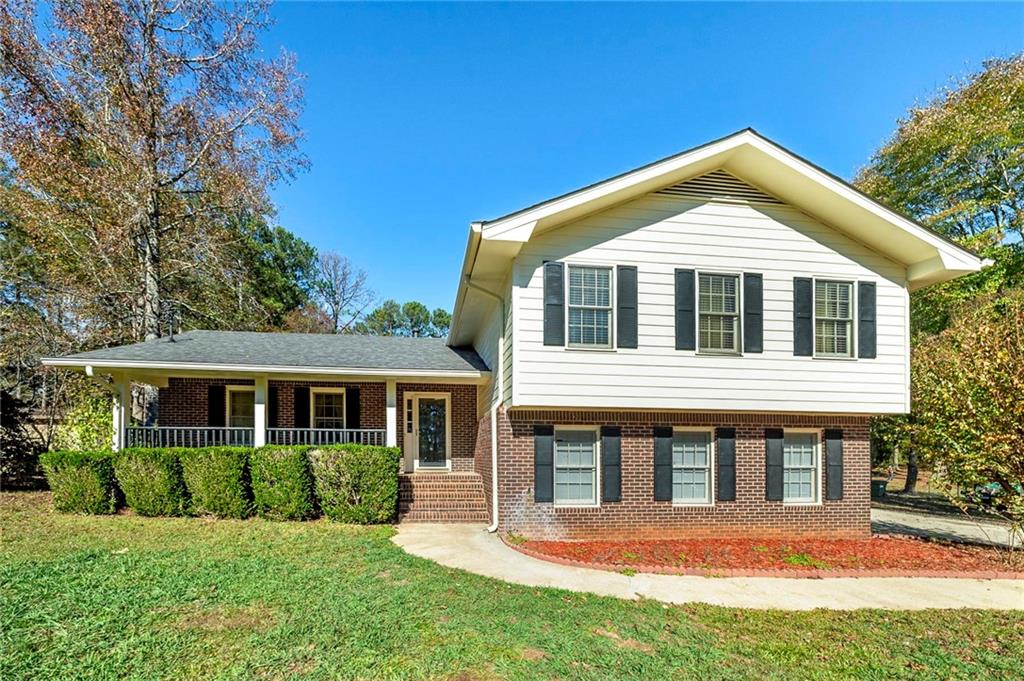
(151, 480)
(217, 478)
(357, 483)
(82, 482)
(282, 483)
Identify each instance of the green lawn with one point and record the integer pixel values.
(104, 597)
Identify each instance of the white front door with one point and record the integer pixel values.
(428, 432)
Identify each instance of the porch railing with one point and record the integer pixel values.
(172, 436)
(202, 436)
(324, 436)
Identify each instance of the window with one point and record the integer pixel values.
(241, 407)
(833, 318)
(691, 467)
(800, 467)
(590, 306)
(719, 310)
(576, 467)
(328, 408)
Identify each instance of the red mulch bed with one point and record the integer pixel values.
(878, 554)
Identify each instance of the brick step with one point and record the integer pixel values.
(440, 493)
(445, 517)
(478, 504)
(455, 487)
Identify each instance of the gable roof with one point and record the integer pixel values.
(287, 352)
(747, 155)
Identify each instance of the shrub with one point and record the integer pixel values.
(151, 481)
(356, 483)
(218, 480)
(82, 482)
(87, 425)
(282, 483)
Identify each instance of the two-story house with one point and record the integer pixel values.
(694, 347)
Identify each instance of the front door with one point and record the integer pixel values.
(430, 430)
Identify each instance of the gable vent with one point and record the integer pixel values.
(720, 186)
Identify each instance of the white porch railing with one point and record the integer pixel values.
(173, 436)
(202, 436)
(325, 436)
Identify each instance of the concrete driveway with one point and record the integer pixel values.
(473, 549)
(940, 526)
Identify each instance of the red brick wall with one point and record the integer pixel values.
(184, 401)
(482, 457)
(637, 515)
(463, 416)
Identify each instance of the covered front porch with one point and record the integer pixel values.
(255, 389)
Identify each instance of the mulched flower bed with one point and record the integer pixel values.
(877, 555)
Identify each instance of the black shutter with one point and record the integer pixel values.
(273, 414)
(216, 406)
(773, 464)
(301, 406)
(543, 463)
(686, 337)
(352, 407)
(803, 321)
(866, 314)
(554, 303)
(753, 313)
(611, 463)
(626, 330)
(726, 451)
(662, 463)
(834, 464)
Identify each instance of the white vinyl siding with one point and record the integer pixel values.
(718, 313)
(241, 407)
(800, 467)
(575, 467)
(833, 318)
(590, 306)
(659, 234)
(691, 467)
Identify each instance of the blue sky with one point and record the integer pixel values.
(421, 118)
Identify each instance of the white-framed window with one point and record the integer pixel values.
(241, 406)
(327, 408)
(833, 318)
(692, 454)
(576, 456)
(590, 306)
(718, 310)
(801, 471)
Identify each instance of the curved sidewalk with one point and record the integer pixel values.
(471, 548)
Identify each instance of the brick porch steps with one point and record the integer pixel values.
(442, 498)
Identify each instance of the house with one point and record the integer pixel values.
(694, 347)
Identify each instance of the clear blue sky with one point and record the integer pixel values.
(421, 118)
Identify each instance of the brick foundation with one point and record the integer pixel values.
(638, 516)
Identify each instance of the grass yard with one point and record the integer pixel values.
(130, 597)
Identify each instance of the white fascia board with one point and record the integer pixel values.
(90, 365)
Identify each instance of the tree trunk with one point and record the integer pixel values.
(911, 483)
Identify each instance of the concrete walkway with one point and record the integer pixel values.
(938, 526)
(471, 548)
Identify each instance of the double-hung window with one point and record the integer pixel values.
(241, 407)
(691, 467)
(800, 473)
(328, 408)
(590, 306)
(575, 466)
(718, 301)
(833, 318)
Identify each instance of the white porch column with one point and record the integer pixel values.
(259, 421)
(391, 398)
(122, 398)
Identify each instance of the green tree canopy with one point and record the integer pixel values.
(410, 319)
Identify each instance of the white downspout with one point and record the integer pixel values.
(494, 406)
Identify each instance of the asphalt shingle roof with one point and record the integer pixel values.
(300, 350)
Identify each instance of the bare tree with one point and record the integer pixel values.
(341, 290)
